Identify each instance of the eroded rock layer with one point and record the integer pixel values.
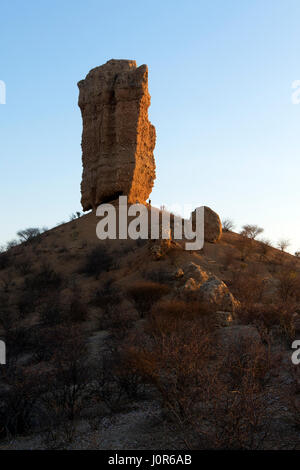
(117, 139)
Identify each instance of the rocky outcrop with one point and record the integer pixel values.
(195, 272)
(117, 140)
(212, 225)
(207, 288)
(214, 291)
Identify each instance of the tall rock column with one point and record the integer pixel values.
(117, 139)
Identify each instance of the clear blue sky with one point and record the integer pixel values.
(220, 77)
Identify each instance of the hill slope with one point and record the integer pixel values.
(140, 336)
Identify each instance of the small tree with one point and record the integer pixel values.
(251, 231)
(28, 234)
(283, 244)
(228, 225)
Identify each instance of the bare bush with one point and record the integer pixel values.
(7, 314)
(46, 341)
(11, 244)
(288, 284)
(267, 316)
(245, 247)
(145, 293)
(118, 320)
(98, 260)
(67, 382)
(251, 231)
(106, 296)
(247, 287)
(23, 266)
(5, 260)
(17, 400)
(264, 248)
(51, 312)
(26, 303)
(229, 257)
(228, 225)
(28, 234)
(112, 382)
(283, 244)
(212, 399)
(44, 280)
(77, 309)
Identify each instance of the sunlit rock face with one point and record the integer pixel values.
(117, 139)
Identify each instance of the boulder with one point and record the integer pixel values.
(212, 225)
(215, 292)
(208, 288)
(193, 270)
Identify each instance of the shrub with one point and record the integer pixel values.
(7, 316)
(288, 284)
(245, 247)
(18, 341)
(116, 379)
(44, 280)
(18, 400)
(68, 381)
(237, 405)
(172, 363)
(159, 274)
(117, 320)
(46, 341)
(106, 296)
(28, 234)
(26, 303)
(145, 293)
(272, 315)
(23, 266)
(51, 312)
(227, 225)
(170, 316)
(229, 257)
(77, 310)
(211, 397)
(5, 260)
(283, 244)
(247, 287)
(97, 262)
(11, 244)
(264, 247)
(251, 231)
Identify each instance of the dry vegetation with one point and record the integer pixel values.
(214, 387)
